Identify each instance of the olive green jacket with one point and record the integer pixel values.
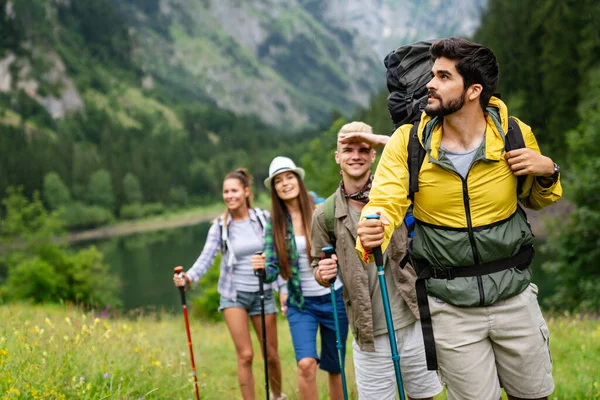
(353, 273)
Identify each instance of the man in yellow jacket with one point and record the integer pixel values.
(472, 245)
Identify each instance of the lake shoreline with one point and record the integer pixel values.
(133, 227)
(537, 220)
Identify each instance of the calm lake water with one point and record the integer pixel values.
(145, 265)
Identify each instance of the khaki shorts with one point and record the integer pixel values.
(374, 371)
(480, 349)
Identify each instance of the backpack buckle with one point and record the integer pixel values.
(443, 273)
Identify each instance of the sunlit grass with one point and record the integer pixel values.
(56, 352)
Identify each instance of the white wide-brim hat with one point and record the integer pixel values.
(282, 164)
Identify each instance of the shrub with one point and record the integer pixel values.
(205, 301)
(40, 270)
(56, 193)
(79, 216)
(131, 211)
(100, 190)
(178, 196)
(153, 209)
(132, 189)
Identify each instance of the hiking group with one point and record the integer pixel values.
(451, 301)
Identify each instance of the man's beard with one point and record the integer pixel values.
(445, 109)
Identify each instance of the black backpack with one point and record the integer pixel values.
(408, 69)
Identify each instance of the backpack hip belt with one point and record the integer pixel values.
(521, 260)
(424, 270)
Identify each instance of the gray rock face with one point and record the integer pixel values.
(270, 58)
(5, 76)
(291, 61)
(388, 24)
(65, 98)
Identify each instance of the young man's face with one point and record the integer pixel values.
(355, 159)
(446, 89)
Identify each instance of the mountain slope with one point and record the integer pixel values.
(267, 58)
(291, 63)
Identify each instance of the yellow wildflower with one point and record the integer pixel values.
(11, 392)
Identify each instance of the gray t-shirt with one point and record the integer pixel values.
(310, 287)
(244, 244)
(401, 314)
(461, 160)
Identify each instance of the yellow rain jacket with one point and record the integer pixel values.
(462, 222)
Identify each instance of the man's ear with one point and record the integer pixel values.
(474, 91)
(337, 157)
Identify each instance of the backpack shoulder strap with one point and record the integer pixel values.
(416, 155)
(514, 140)
(260, 214)
(224, 233)
(329, 211)
(514, 136)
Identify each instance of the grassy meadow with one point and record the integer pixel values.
(61, 352)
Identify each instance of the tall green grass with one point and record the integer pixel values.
(60, 352)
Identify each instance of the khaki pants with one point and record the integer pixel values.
(375, 375)
(480, 349)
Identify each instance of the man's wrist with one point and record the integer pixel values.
(547, 181)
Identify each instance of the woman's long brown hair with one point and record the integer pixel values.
(278, 221)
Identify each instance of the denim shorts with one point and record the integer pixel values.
(250, 301)
(318, 314)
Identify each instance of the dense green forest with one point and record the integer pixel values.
(129, 151)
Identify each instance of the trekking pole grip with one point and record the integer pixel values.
(377, 254)
(328, 251)
(178, 270)
(261, 273)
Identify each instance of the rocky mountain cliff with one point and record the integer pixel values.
(388, 24)
(289, 62)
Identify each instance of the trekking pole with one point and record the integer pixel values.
(178, 271)
(261, 290)
(388, 314)
(327, 252)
